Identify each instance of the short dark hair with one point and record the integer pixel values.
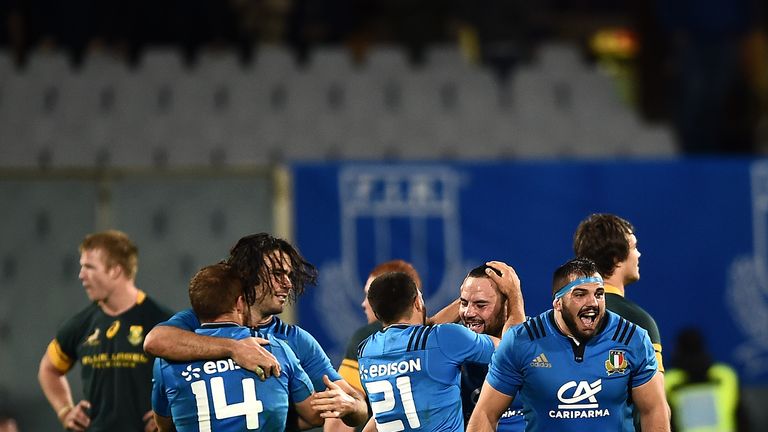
(213, 291)
(249, 258)
(479, 271)
(602, 238)
(391, 296)
(119, 250)
(579, 267)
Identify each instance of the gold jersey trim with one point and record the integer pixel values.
(141, 297)
(348, 370)
(58, 358)
(657, 349)
(610, 289)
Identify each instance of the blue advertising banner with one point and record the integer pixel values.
(702, 229)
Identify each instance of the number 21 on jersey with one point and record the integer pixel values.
(250, 407)
(388, 404)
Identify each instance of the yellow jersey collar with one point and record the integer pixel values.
(610, 289)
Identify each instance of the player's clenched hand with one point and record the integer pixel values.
(77, 419)
(149, 422)
(249, 354)
(333, 402)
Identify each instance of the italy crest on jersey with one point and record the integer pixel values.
(616, 363)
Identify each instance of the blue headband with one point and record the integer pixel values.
(566, 289)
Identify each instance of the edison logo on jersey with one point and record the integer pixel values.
(579, 400)
(394, 368)
(219, 366)
(190, 373)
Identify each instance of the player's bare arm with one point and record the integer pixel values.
(308, 416)
(164, 424)
(150, 425)
(56, 389)
(651, 402)
(488, 410)
(181, 345)
(370, 426)
(340, 400)
(509, 285)
(448, 314)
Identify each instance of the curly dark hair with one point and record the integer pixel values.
(602, 238)
(249, 257)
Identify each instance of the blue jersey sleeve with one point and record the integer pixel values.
(503, 373)
(313, 359)
(160, 403)
(462, 345)
(300, 386)
(185, 320)
(646, 364)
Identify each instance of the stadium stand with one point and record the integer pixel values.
(221, 112)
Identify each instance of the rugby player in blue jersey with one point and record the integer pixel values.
(483, 309)
(576, 367)
(273, 274)
(410, 370)
(201, 396)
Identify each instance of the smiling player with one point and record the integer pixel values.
(575, 367)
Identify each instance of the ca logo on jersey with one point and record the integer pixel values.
(582, 391)
(579, 400)
(135, 334)
(616, 363)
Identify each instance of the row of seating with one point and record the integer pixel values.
(221, 112)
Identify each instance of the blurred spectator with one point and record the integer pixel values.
(703, 394)
(11, 28)
(713, 108)
(505, 31)
(310, 23)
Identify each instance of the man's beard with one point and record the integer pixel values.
(570, 322)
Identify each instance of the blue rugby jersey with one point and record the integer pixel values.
(314, 360)
(568, 388)
(218, 395)
(411, 374)
(472, 379)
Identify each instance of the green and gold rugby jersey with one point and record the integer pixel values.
(632, 312)
(116, 373)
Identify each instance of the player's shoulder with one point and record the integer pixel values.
(282, 330)
(534, 328)
(281, 350)
(631, 311)
(296, 337)
(148, 305)
(623, 331)
(447, 329)
(358, 336)
(83, 317)
(364, 332)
